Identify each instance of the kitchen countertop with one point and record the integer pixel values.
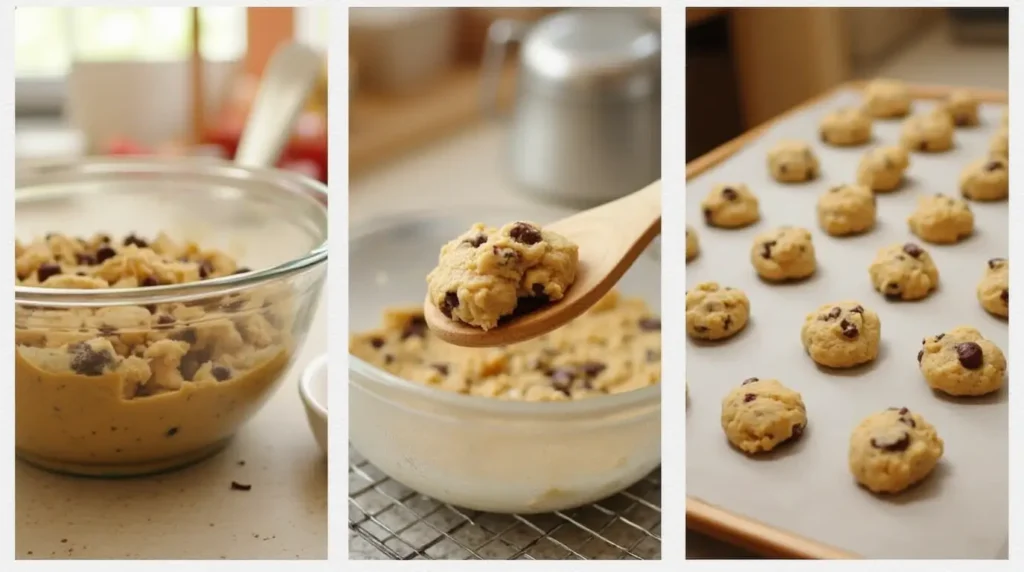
(193, 513)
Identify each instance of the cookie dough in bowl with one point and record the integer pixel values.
(141, 352)
(551, 423)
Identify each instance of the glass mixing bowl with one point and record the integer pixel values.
(475, 452)
(126, 381)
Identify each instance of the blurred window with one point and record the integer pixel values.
(48, 39)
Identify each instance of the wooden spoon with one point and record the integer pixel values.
(610, 237)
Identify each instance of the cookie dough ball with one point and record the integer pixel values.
(941, 219)
(962, 108)
(730, 206)
(1000, 144)
(986, 179)
(904, 272)
(792, 162)
(845, 127)
(886, 98)
(994, 288)
(785, 253)
(692, 243)
(893, 449)
(881, 169)
(928, 133)
(715, 313)
(762, 413)
(961, 362)
(841, 334)
(847, 209)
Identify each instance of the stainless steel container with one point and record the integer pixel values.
(586, 126)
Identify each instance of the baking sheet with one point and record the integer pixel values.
(960, 511)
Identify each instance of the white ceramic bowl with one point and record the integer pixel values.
(313, 390)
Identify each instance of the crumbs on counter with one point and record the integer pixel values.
(237, 486)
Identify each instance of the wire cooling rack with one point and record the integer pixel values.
(387, 520)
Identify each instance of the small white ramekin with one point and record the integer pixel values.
(313, 390)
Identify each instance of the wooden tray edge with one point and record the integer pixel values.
(722, 524)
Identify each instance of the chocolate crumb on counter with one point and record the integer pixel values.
(237, 486)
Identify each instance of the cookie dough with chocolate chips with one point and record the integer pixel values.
(886, 99)
(845, 127)
(994, 288)
(761, 414)
(893, 449)
(941, 219)
(904, 272)
(730, 206)
(961, 362)
(986, 179)
(928, 133)
(613, 348)
(847, 209)
(785, 253)
(692, 243)
(881, 169)
(962, 108)
(792, 162)
(714, 312)
(120, 386)
(488, 273)
(841, 334)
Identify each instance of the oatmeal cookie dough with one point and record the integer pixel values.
(483, 274)
(1000, 143)
(730, 206)
(941, 219)
(881, 169)
(903, 272)
(841, 334)
(714, 312)
(962, 108)
(126, 389)
(886, 99)
(792, 162)
(994, 288)
(846, 210)
(893, 449)
(760, 414)
(692, 243)
(961, 362)
(986, 179)
(613, 348)
(784, 253)
(845, 127)
(928, 133)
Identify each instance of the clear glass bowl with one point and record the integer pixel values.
(475, 452)
(127, 381)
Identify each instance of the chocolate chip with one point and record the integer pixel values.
(377, 343)
(87, 361)
(909, 421)
(749, 380)
(442, 368)
(939, 336)
(104, 253)
(849, 330)
(767, 249)
(700, 329)
(205, 269)
(450, 302)
(912, 249)
(1005, 297)
(164, 320)
(220, 373)
(858, 309)
(783, 169)
(538, 290)
(707, 215)
(835, 312)
(151, 308)
(562, 378)
(922, 146)
(901, 410)
(969, 354)
(476, 240)
(592, 368)
(47, 270)
(993, 166)
(132, 239)
(388, 358)
(507, 255)
(727, 323)
(749, 397)
(187, 335)
(149, 281)
(242, 270)
(994, 263)
(798, 431)
(920, 355)
(85, 259)
(729, 194)
(891, 443)
(649, 324)
(524, 233)
(417, 326)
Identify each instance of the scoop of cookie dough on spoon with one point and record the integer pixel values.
(494, 287)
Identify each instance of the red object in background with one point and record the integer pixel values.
(306, 152)
(126, 146)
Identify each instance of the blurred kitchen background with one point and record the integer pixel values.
(747, 65)
(156, 80)
(574, 106)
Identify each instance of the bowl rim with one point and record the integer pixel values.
(559, 410)
(309, 373)
(42, 172)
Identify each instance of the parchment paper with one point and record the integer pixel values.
(960, 511)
